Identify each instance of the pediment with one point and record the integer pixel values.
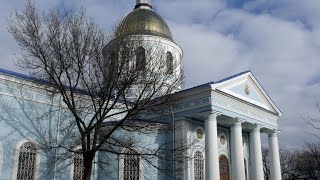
(245, 87)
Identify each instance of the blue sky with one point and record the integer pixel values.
(278, 40)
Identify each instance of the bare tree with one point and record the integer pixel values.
(314, 122)
(309, 161)
(101, 87)
(290, 160)
(311, 155)
(296, 163)
(266, 165)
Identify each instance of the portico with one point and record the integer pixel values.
(238, 171)
(240, 107)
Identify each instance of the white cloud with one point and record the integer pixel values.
(208, 55)
(278, 40)
(281, 52)
(189, 11)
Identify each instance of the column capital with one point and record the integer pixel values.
(274, 133)
(238, 121)
(215, 112)
(213, 115)
(257, 127)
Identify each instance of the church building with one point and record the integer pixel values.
(223, 121)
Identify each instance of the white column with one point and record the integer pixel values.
(256, 154)
(237, 158)
(275, 169)
(211, 143)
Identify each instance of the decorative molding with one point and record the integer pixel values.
(240, 120)
(195, 103)
(225, 153)
(232, 105)
(26, 92)
(196, 134)
(257, 127)
(217, 113)
(245, 81)
(246, 77)
(226, 143)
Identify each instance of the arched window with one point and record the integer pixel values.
(113, 62)
(141, 59)
(169, 63)
(78, 167)
(224, 167)
(131, 165)
(198, 166)
(27, 161)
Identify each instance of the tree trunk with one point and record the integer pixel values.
(87, 163)
(49, 165)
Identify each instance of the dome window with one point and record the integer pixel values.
(141, 59)
(113, 62)
(169, 63)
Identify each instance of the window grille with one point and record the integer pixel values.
(198, 166)
(78, 167)
(131, 168)
(169, 63)
(27, 161)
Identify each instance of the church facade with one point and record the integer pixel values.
(222, 120)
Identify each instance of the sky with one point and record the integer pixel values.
(277, 40)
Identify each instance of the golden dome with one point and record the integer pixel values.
(143, 22)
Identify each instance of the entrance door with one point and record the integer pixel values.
(224, 167)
